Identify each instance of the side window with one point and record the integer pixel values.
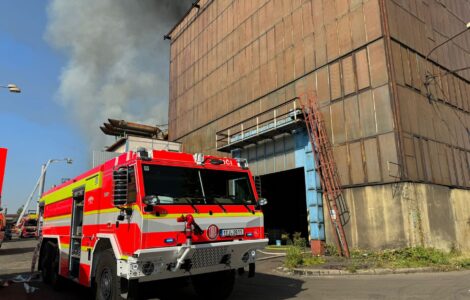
(131, 186)
(237, 188)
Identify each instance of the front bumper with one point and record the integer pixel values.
(159, 263)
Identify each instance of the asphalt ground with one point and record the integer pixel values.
(15, 258)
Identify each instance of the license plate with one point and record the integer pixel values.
(231, 232)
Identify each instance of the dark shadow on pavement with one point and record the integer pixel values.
(69, 291)
(263, 286)
(267, 286)
(16, 251)
(17, 240)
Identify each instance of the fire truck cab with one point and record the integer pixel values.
(147, 216)
(28, 225)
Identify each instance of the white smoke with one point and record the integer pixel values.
(118, 61)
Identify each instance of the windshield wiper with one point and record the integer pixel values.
(247, 207)
(220, 204)
(232, 197)
(190, 202)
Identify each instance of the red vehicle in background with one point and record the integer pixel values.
(3, 158)
(28, 225)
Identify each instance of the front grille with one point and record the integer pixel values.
(208, 257)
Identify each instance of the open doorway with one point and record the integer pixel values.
(286, 211)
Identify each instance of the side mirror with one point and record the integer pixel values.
(120, 192)
(151, 200)
(1, 208)
(262, 201)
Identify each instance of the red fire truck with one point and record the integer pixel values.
(3, 159)
(28, 225)
(147, 216)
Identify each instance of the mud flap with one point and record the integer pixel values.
(251, 270)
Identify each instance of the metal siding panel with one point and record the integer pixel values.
(349, 82)
(362, 70)
(337, 121)
(372, 160)
(372, 19)
(335, 80)
(367, 114)
(341, 158)
(351, 111)
(377, 63)
(322, 86)
(389, 157)
(410, 157)
(383, 109)
(434, 157)
(357, 168)
(332, 47)
(358, 30)
(269, 158)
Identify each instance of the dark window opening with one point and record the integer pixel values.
(286, 212)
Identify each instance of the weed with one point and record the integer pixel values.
(331, 250)
(294, 257)
(299, 241)
(310, 260)
(352, 268)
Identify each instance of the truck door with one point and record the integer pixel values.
(76, 231)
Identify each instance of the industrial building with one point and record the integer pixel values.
(393, 88)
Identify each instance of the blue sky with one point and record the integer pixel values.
(33, 125)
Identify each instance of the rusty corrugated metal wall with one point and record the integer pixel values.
(435, 135)
(231, 60)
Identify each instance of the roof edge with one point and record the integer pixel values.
(194, 4)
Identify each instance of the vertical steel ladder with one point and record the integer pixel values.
(326, 168)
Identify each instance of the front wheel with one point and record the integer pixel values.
(108, 286)
(218, 285)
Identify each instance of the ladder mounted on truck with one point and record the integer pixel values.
(326, 169)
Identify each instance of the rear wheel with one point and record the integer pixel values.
(108, 286)
(218, 285)
(45, 261)
(50, 264)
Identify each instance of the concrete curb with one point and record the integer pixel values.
(327, 272)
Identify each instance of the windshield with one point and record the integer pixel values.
(31, 223)
(178, 185)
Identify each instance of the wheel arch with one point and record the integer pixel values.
(104, 243)
(42, 249)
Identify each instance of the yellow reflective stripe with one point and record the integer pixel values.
(173, 216)
(91, 182)
(203, 215)
(62, 245)
(124, 257)
(101, 211)
(58, 217)
(85, 248)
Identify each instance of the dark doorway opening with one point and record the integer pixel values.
(286, 211)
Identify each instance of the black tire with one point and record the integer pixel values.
(218, 285)
(57, 281)
(108, 286)
(45, 263)
(50, 259)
